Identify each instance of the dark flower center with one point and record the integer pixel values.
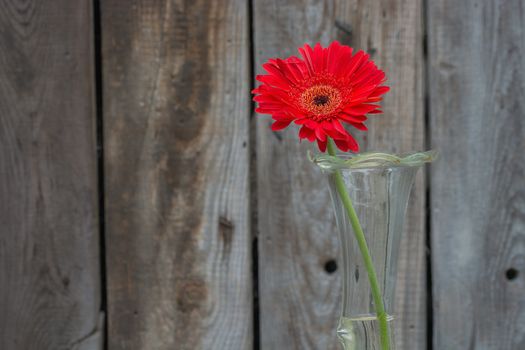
(321, 100)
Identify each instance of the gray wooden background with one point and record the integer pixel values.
(143, 205)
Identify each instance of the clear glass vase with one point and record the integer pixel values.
(379, 192)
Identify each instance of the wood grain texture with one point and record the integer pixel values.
(477, 86)
(49, 252)
(176, 104)
(392, 33)
(299, 300)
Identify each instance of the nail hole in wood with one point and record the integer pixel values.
(511, 274)
(330, 266)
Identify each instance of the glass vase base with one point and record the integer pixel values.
(362, 333)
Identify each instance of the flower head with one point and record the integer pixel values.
(321, 91)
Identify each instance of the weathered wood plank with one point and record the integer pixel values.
(391, 31)
(49, 252)
(176, 103)
(299, 301)
(477, 80)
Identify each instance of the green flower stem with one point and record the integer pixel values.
(363, 247)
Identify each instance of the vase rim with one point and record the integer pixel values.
(372, 160)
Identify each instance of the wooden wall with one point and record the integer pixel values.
(477, 109)
(49, 219)
(145, 206)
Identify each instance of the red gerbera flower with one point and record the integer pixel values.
(324, 88)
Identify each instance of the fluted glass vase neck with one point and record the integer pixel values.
(379, 186)
(371, 160)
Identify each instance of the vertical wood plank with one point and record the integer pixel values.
(176, 103)
(300, 302)
(49, 252)
(392, 32)
(477, 86)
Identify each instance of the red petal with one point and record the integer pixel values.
(283, 117)
(346, 144)
(357, 60)
(279, 125)
(380, 91)
(318, 58)
(319, 133)
(301, 121)
(321, 145)
(299, 65)
(341, 144)
(338, 126)
(311, 124)
(306, 133)
(352, 118)
(307, 52)
(352, 144)
(360, 109)
(290, 70)
(359, 126)
(332, 132)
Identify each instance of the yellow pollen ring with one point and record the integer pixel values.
(320, 99)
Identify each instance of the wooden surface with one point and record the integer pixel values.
(477, 81)
(392, 33)
(176, 115)
(299, 301)
(181, 216)
(49, 252)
